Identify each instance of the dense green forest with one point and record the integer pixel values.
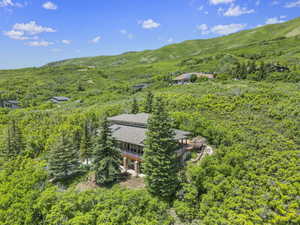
(250, 114)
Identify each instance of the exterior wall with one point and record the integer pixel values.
(131, 151)
(133, 155)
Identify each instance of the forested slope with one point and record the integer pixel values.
(251, 118)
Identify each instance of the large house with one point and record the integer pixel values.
(186, 77)
(130, 132)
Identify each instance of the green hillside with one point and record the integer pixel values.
(249, 114)
(270, 39)
(274, 44)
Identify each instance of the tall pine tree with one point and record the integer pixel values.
(160, 164)
(86, 144)
(134, 106)
(107, 157)
(14, 141)
(149, 102)
(261, 73)
(64, 158)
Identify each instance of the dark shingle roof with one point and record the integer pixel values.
(61, 98)
(137, 135)
(139, 119)
(13, 101)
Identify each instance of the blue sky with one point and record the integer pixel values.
(35, 32)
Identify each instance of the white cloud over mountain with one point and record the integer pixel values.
(227, 29)
(221, 29)
(127, 34)
(203, 28)
(95, 39)
(275, 20)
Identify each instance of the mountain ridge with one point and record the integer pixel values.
(289, 29)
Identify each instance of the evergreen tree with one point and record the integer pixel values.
(77, 140)
(252, 67)
(237, 70)
(14, 141)
(160, 164)
(134, 107)
(261, 73)
(243, 71)
(194, 78)
(80, 86)
(86, 143)
(149, 102)
(63, 159)
(106, 157)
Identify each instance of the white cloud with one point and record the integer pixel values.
(66, 42)
(274, 20)
(32, 28)
(170, 40)
(9, 3)
(5, 3)
(275, 2)
(19, 35)
(221, 29)
(227, 29)
(50, 6)
(39, 43)
(126, 33)
(16, 35)
(292, 4)
(257, 2)
(237, 11)
(203, 28)
(220, 10)
(149, 24)
(95, 40)
(217, 2)
(200, 8)
(26, 31)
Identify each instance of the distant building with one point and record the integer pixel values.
(13, 104)
(279, 68)
(186, 77)
(140, 87)
(59, 99)
(130, 132)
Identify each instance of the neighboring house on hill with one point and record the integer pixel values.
(130, 132)
(59, 99)
(279, 68)
(13, 104)
(186, 77)
(140, 87)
